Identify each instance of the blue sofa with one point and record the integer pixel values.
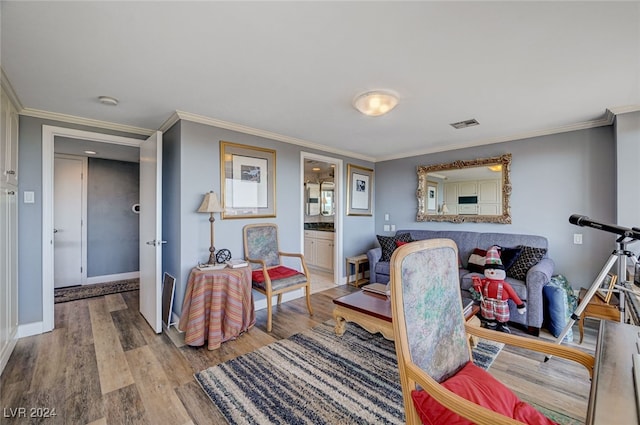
(529, 291)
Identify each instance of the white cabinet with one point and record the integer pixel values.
(8, 228)
(451, 194)
(489, 197)
(318, 249)
(8, 141)
(469, 188)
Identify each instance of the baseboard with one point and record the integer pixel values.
(4, 358)
(112, 277)
(29, 329)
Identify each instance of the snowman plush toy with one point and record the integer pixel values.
(495, 292)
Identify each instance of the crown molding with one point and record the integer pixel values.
(187, 116)
(8, 90)
(36, 113)
(619, 110)
(600, 122)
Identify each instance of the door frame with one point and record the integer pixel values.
(337, 221)
(83, 211)
(49, 134)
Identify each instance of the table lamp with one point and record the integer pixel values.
(211, 204)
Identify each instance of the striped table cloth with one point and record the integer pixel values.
(217, 306)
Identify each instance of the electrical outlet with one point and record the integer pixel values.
(577, 238)
(386, 227)
(386, 217)
(393, 227)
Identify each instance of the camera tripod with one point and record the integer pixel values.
(621, 254)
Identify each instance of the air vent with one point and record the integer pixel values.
(464, 124)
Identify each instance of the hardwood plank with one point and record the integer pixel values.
(201, 410)
(83, 393)
(129, 333)
(162, 405)
(51, 362)
(78, 333)
(113, 369)
(101, 421)
(124, 406)
(176, 367)
(115, 302)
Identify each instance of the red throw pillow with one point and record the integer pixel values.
(279, 272)
(477, 385)
(477, 260)
(400, 243)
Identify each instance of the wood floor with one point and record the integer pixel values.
(104, 365)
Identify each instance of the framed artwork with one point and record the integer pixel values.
(432, 196)
(248, 176)
(606, 288)
(359, 190)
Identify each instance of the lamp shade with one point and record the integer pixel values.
(210, 204)
(375, 103)
(445, 209)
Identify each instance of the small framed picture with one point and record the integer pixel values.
(606, 288)
(359, 190)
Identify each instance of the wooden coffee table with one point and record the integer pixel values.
(373, 312)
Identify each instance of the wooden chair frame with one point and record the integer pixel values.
(268, 291)
(411, 376)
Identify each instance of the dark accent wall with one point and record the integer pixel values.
(113, 187)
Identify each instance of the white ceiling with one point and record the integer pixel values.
(292, 68)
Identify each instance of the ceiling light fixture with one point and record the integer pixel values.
(376, 103)
(90, 152)
(108, 100)
(315, 169)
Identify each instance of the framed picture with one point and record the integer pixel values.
(606, 288)
(359, 190)
(248, 176)
(432, 196)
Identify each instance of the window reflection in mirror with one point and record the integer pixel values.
(466, 191)
(313, 199)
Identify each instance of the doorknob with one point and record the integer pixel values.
(55, 230)
(155, 242)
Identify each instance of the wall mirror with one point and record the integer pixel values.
(313, 199)
(474, 191)
(327, 204)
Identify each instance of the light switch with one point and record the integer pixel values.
(577, 238)
(386, 227)
(393, 227)
(29, 197)
(386, 217)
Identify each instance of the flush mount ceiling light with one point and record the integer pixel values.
(91, 152)
(108, 100)
(376, 103)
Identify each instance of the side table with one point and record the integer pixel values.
(597, 308)
(356, 261)
(217, 307)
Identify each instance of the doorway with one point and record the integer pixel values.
(49, 135)
(321, 219)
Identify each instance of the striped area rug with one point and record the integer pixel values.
(316, 377)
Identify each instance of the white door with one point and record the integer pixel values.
(67, 218)
(151, 230)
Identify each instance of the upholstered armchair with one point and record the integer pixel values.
(439, 381)
(269, 276)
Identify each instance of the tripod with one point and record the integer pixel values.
(621, 254)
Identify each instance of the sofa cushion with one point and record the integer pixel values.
(388, 244)
(477, 260)
(480, 387)
(528, 258)
(508, 256)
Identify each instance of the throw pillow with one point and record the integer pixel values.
(508, 256)
(560, 303)
(476, 260)
(528, 258)
(388, 244)
(480, 387)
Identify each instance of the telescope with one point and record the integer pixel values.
(584, 221)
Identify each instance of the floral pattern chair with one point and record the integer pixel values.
(440, 383)
(269, 276)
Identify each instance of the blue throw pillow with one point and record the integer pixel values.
(560, 305)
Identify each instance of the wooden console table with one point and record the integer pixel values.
(357, 262)
(218, 306)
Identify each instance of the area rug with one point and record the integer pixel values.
(72, 293)
(316, 377)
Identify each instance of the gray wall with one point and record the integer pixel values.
(552, 176)
(199, 165)
(30, 215)
(113, 187)
(628, 154)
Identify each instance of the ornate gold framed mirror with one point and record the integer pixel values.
(474, 191)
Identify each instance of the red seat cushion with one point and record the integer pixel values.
(275, 273)
(477, 385)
